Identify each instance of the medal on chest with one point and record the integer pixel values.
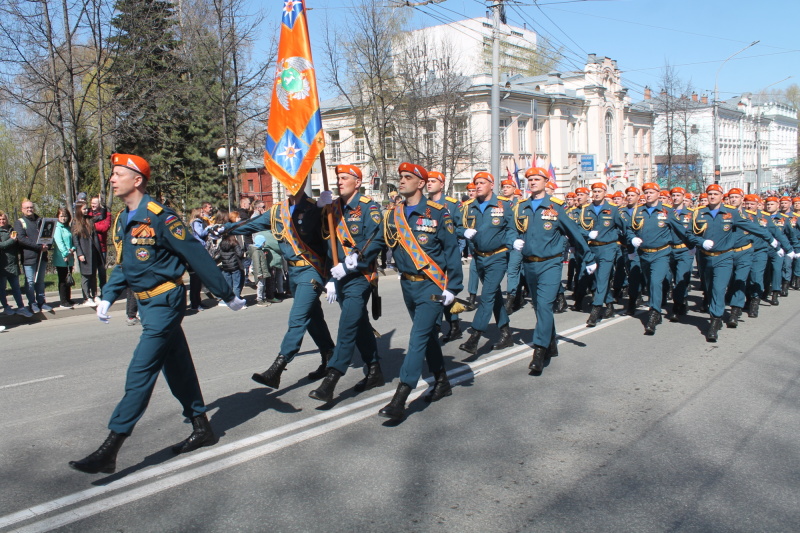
(550, 214)
(143, 234)
(355, 215)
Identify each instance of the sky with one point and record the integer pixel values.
(694, 36)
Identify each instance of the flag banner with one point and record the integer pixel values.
(294, 129)
(552, 172)
(516, 172)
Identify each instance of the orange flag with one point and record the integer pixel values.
(294, 129)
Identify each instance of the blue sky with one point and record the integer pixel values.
(695, 36)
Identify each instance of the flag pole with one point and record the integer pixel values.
(331, 226)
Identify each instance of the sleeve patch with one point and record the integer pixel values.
(178, 230)
(170, 219)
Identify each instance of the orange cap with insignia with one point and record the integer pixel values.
(133, 162)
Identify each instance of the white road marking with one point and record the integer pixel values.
(166, 476)
(30, 382)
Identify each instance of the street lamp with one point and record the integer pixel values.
(225, 156)
(716, 112)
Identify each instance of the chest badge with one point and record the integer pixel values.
(422, 238)
(142, 254)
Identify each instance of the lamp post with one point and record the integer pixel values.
(225, 156)
(717, 173)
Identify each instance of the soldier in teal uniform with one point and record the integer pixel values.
(542, 224)
(513, 275)
(633, 266)
(716, 223)
(682, 256)
(603, 225)
(473, 283)
(776, 256)
(742, 262)
(422, 236)
(357, 219)
(761, 252)
(153, 246)
(297, 223)
(435, 188)
(792, 232)
(488, 223)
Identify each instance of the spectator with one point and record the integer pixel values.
(274, 285)
(198, 225)
(34, 256)
(63, 249)
(207, 213)
(258, 209)
(261, 272)
(245, 213)
(9, 268)
(87, 247)
(231, 262)
(101, 217)
(234, 217)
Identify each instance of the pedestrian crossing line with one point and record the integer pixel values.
(183, 470)
(31, 382)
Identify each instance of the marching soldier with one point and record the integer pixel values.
(473, 283)
(792, 232)
(513, 289)
(152, 249)
(358, 224)
(776, 257)
(423, 236)
(296, 224)
(742, 262)
(682, 257)
(542, 224)
(489, 225)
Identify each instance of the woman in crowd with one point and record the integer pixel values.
(63, 249)
(90, 256)
(231, 254)
(9, 268)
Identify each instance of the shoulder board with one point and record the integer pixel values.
(728, 206)
(559, 201)
(155, 208)
(506, 198)
(766, 213)
(435, 205)
(784, 215)
(468, 201)
(668, 206)
(451, 199)
(751, 212)
(365, 199)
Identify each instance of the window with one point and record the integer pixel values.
(462, 133)
(539, 136)
(572, 137)
(522, 136)
(360, 146)
(504, 123)
(336, 146)
(249, 185)
(609, 136)
(430, 138)
(388, 148)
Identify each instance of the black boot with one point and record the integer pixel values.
(321, 370)
(774, 300)
(471, 302)
(519, 298)
(752, 309)
(471, 346)
(653, 320)
(552, 350)
(509, 305)
(441, 387)
(713, 329)
(104, 459)
(577, 305)
(374, 378)
(272, 376)
(202, 435)
(324, 392)
(631, 308)
(537, 363)
(505, 340)
(396, 409)
(733, 317)
(560, 305)
(795, 283)
(594, 316)
(454, 333)
(785, 288)
(609, 311)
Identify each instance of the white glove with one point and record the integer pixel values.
(632, 256)
(636, 242)
(792, 255)
(325, 198)
(571, 250)
(102, 311)
(235, 304)
(593, 234)
(708, 244)
(330, 287)
(470, 233)
(781, 252)
(518, 244)
(351, 261)
(338, 271)
(449, 297)
(774, 243)
(591, 268)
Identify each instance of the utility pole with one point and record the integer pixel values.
(495, 98)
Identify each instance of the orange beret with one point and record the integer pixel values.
(584, 190)
(619, 194)
(436, 175)
(736, 190)
(677, 190)
(484, 175)
(689, 195)
(537, 171)
(599, 185)
(470, 186)
(664, 193)
(650, 186)
(551, 185)
(786, 198)
(133, 162)
(714, 187)
(703, 195)
(571, 195)
(796, 199)
(752, 198)
(771, 199)
(349, 169)
(411, 168)
(517, 192)
(633, 189)
(508, 182)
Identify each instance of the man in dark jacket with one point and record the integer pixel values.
(33, 255)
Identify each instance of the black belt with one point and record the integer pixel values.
(535, 259)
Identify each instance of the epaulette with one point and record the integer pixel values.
(559, 201)
(668, 206)
(435, 205)
(763, 212)
(729, 206)
(451, 199)
(506, 198)
(155, 208)
(750, 212)
(469, 201)
(365, 199)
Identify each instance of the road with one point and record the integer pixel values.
(622, 432)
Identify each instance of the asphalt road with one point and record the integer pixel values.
(621, 432)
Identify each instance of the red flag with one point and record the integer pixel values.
(294, 129)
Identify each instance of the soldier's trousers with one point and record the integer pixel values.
(742, 264)
(786, 271)
(606, 257)
(775, 270)
(355, 331)
(718, 270)
(796, 267)
(162, 348)
(681, 262)
(634, 269)
(472, 285)
(758, 271)
(544, 280)
(423, 344)
(655, 269)
(514, 271)
(491, 271)
(306, 312)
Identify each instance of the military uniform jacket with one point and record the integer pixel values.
(154, 245)
(455, 209)
(606, 222)
(684, 215)
(544, 229)
(625, 213)
(658, 228)
(764, 219)
(495, 225)
(788, 224)
(435, 231)
(720, 228)
(364, 219)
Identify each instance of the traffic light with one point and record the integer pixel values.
(716, 173)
